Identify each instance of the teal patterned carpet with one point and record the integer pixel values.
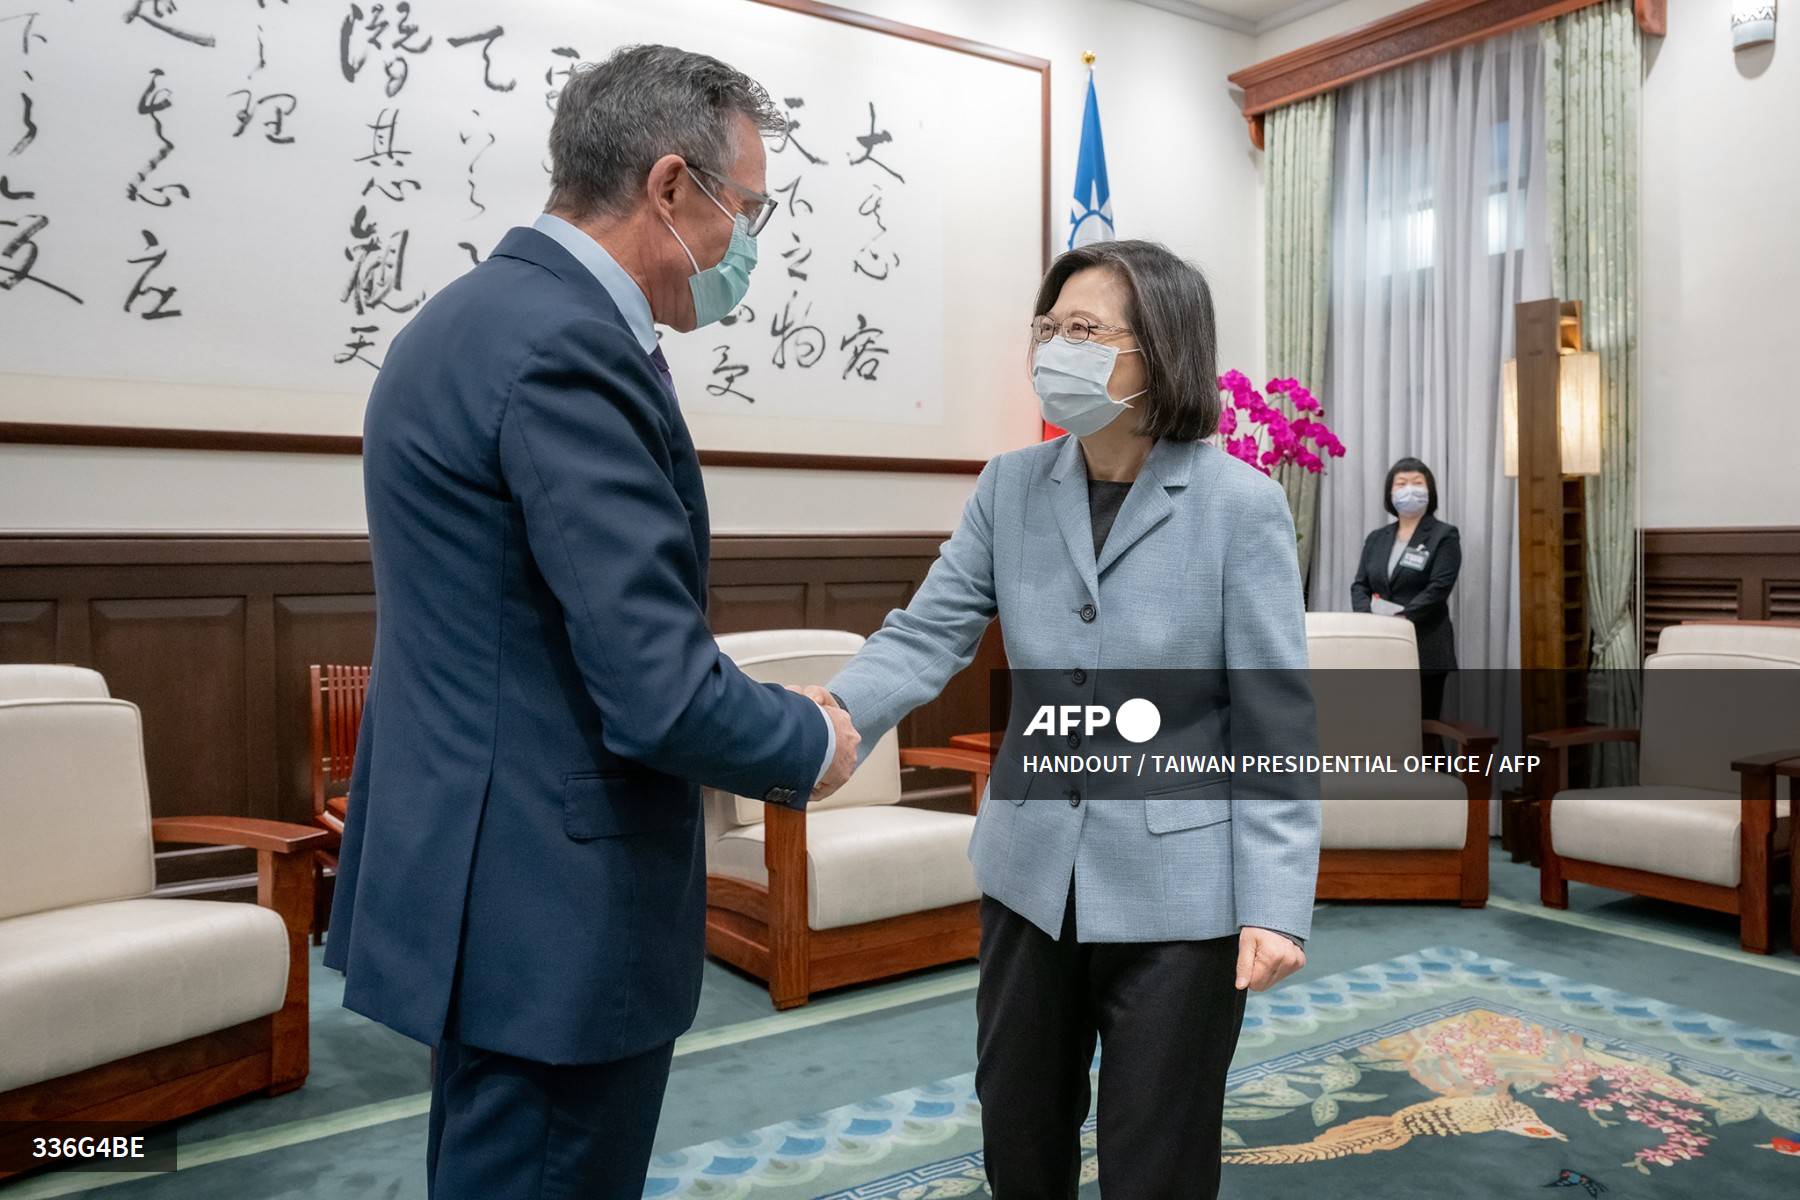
(1411, 1077)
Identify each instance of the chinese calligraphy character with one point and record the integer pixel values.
(789, 124)
(22, 246)
(156, 13)
(806, 341)
(281, 107)
(153, 103)
(732, 372)
(465, 139)
(573, 56)
(487, 39)
(866, 356)
(396, 67)
(378, 267)
(152, 258)
(356, 344)
(871, 140)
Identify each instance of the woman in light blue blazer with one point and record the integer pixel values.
(1128, 544)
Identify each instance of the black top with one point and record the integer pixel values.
(1420, 583)
(1104, 498)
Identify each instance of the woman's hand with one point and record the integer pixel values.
(1265, 958)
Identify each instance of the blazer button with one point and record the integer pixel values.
(1074, 797)
(1078, 677)
(1074, 740)
(1089, 612)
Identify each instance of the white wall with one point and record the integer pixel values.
(1182, 171)
(1720, 315)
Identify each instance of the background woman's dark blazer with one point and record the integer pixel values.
(1424, 593)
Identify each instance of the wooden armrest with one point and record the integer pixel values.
(1461, 732)
(972, 761)
(278, 837)
(339, 807)
(1768, 764)
(1581, 735)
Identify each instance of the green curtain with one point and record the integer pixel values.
(1297, 271)
(1593, 71)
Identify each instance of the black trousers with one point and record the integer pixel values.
(1167, 1016)
(505, 1128)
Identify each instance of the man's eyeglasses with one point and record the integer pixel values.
(1076, 329)
(765, 205)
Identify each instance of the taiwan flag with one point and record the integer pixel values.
(1090, 213)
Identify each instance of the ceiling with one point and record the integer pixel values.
(1244, 16)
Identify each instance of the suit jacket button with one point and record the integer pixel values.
(1089, 612)
(1074, 797)
(1078, 677)
(1074, 741)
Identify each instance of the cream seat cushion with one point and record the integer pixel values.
(1689, 833)
(96, 983)
(867, 863)
(1425, 811)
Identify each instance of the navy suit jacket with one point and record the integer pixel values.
(524, 831)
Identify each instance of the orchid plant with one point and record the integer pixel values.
(1264, 435)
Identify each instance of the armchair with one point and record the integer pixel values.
(857, 887)
(1703, 826)
(1391, 837)
(114, 1005)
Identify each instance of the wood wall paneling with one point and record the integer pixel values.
(211, 638)
(1746, 574)
(28, 631)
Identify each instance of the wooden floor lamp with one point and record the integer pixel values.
(1552, 429)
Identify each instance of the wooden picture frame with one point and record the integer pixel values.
(102, 433)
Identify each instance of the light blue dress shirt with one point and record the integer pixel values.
(636, 308)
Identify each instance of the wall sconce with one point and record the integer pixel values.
(1577, 406)
(1752, 23)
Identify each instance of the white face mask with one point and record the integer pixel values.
(1070, 379)
(1411, 499)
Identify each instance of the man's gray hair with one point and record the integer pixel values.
(614, 119)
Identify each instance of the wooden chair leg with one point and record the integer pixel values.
(1553, 889)
(1756, 830)
(284, 883)
(790, 940)
(1472, 888)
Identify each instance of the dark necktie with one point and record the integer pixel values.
(662, 370)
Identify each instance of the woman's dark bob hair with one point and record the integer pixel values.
(1169, 310)
(1410, 464)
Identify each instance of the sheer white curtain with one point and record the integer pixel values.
(1438, 229)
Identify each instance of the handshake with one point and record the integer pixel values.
(843, 758)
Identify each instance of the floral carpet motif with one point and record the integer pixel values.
(1440, 1072)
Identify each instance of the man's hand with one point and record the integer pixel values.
(843, 762)
(815, 693)
(1265, 958)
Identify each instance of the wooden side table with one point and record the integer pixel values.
(984, 742)
(1790, 770)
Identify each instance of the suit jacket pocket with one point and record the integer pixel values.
(1189, 805)
(615, 804)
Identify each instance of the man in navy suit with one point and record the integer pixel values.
(523, 880)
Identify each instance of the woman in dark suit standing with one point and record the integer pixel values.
(1408, 568)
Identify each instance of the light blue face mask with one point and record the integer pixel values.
(1070, 379)
(1411, 499)
(718, 289)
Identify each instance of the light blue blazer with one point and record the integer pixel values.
(1199, 571)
